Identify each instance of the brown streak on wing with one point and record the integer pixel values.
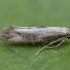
(29, 37)
(55, 37)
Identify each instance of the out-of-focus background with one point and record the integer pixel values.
(34, 13)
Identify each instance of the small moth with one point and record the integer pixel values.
(35, 34)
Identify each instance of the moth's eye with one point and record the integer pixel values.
(5, 35)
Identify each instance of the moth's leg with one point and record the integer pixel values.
(61, 39)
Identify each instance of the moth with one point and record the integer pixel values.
(35, 34)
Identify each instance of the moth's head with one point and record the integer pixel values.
(6, 33)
